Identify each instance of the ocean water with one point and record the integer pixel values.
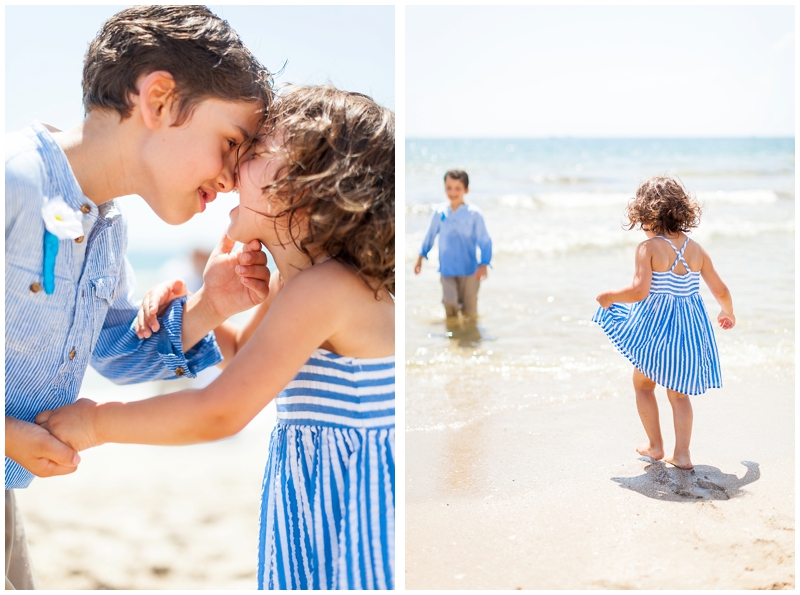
(555, 210)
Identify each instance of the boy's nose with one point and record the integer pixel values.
(226, 180)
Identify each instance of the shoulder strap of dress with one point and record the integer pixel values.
(680, 252)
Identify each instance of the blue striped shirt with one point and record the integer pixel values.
(50, 339)
(461, 234)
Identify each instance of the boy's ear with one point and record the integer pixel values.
(466, 190)
(156, 97)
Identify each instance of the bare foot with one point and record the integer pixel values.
(682, 462)
(648, 450)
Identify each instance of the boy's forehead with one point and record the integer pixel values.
(450, 180)
(242, 116)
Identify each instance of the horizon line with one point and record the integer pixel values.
(572, 137)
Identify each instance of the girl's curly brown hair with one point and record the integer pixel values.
(337, 181)
(664, 206)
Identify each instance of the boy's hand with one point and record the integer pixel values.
(418, 266)
(726, 320)
(482, 272)
(72, 424)
(37, 450)
(605, 300)
(235, 282)
(154, 304)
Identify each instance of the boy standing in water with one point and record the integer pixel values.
(462, 232)
(170, 94)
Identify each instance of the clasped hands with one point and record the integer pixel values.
(37, 450)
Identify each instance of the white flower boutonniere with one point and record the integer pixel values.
(61, 223)
(60, 220)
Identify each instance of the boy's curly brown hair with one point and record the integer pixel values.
(337, 181)
(663, 205)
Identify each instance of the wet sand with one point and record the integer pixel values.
(554, 496)
(146, 517)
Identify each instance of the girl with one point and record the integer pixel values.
(666, 332)
(319, 194)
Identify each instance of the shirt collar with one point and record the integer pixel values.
(64, 181)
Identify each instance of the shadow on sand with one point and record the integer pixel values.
(664, 482)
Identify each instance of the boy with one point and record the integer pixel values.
(462, 232)
(170, 94)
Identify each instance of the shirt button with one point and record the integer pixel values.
(179, 371)
(86, 209)
(79, 239)
(35, 287)
(72, 354)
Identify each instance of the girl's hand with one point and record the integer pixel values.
(154, 304)
(726, 320)
(72, 424)
(605, 300)
(235, 282)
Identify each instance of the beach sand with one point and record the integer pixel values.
(554, 496)
(147, 517)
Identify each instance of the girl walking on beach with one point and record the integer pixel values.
(319, 194)
(659, 322)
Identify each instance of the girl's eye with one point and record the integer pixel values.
(232, 143)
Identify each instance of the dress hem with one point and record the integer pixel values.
(600, 322)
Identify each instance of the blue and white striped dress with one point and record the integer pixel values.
(667, 336)
(327, 505)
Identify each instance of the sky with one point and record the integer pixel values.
(45, 47)
(349, 46)
(599, 71)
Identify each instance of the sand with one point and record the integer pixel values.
(555, 497)
(146, 517)
(552, 496)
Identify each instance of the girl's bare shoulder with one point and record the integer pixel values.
(697, 246)
(364, 322)
(649, 243)
(698, 254)
(337, 281)
(648, 247)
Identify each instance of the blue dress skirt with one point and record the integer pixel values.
(667, 336)
(327, 506)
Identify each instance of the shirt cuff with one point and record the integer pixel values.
(170, 349)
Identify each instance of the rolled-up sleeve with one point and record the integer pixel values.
(124, 358)
(430, 236)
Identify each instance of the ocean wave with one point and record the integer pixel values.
(487, 386)
(735, 173)
(602, 200)
(750, 197)
(553, 242)
(565, 200)
(743, 353)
